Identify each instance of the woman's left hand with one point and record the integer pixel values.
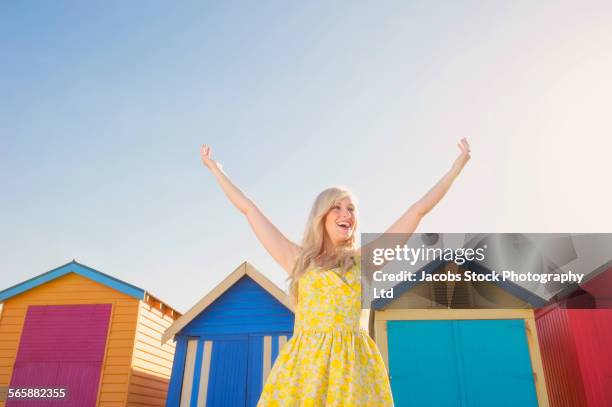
(464, 156)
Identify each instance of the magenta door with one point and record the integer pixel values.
(62, 346)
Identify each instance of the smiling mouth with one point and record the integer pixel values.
(344, 225)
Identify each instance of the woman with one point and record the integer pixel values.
(330, 360)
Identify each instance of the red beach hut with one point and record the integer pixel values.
(575, 333)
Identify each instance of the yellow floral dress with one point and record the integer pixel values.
(329, 361)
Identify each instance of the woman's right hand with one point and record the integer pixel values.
(206, 159)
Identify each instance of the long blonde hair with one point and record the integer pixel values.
(313, 242)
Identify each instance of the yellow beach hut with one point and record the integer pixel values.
(94, 336)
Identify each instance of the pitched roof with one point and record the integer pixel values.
(596, 283)
(245, 269)
(85, 271)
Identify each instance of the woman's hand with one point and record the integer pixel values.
(408, 222)
(207, 160)
(464, 156)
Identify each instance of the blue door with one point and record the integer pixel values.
(467, 363)
(228, 376)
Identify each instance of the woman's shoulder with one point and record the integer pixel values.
(357, 256)
(357, 260)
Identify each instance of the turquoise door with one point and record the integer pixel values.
(466, 363)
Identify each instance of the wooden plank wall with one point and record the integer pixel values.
(152, 361)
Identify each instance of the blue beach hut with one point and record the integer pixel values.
(227, 343)
(460, 343)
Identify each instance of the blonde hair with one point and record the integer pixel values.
(313, 242)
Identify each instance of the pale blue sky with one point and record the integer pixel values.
(103, 107)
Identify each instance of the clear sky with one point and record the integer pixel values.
(104, 105)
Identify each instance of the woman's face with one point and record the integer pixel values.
(340, 221)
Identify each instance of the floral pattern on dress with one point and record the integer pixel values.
(329, 361)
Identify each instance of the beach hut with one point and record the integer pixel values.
(78, 329)
(575, 332)
(460, 343)
(226, 344)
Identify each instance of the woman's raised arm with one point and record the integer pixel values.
(408, 222)
(280, 248)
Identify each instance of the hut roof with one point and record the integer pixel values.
(85, 271)
(245, 269)
(598, 284)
